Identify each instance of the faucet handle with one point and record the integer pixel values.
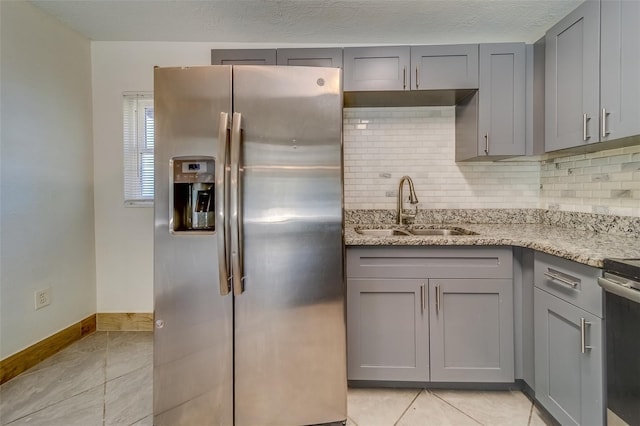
(411, 214)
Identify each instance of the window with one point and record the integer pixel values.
(138, 137)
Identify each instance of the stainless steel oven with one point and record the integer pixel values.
(621, 282)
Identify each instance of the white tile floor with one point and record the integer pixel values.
(106, 379)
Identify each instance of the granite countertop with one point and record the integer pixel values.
(587, 247)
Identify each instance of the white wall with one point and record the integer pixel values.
(46, 212)
(124, 235)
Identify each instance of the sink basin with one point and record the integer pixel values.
(442, 231)
(383, 232)
(445, 232)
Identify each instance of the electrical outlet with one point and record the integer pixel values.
(43, 298)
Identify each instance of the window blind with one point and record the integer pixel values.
(138, 136)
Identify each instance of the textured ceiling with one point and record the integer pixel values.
(311, 21)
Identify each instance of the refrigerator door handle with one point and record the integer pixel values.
(222, 192)
(236, 207)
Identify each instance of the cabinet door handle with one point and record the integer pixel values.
(437, 299)
(605, 132)
(422, 300)
(585, 135)
(404, 78)
(583, 335)
(553, 275)
(486, 143)
(417, 79)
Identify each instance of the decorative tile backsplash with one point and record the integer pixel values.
(605, 182)
(383, 144)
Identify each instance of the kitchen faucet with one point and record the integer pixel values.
(413, 199)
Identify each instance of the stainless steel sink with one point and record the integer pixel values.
(442, 231)
(383, 232)
(445, 232)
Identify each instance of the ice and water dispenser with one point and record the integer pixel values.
(192, 195)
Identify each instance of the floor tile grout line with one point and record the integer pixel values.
(56, 365)
(530, 415)
(409, 406)
(457, 409)
(352, 421)
(51, 405)
(104, 395)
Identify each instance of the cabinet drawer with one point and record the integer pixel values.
(570, 281)
(423, 262)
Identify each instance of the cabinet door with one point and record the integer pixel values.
(444, 67)
(569, 382)
(387, 330)
(243, 56)
(572, 72)
(471, 329)
(619, 69)
(501, 110)
(376, 68)
(313, 57)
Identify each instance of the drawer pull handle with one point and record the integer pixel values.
(422, 299)
(437, 299)
(561, 279)
(583, 335)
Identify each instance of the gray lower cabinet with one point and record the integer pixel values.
(569, 369)
(572, 76)
(399, 330)
(243, 57)
(387, 330)
(568, 361)
(619, 69)
(311, 57)
(471, 330)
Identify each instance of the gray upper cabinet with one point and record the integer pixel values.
(387, 330)
(501, 113)
(444, 67)
(471, 330)
(312, 57)
(491, 123)
(376, 68)
(619, 69)
(397, 68)
(243, 57)
(572, 79)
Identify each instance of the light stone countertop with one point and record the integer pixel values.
(587, 247)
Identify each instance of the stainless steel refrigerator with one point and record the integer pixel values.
(248, 254)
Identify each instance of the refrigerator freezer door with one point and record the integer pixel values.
(193, 353)
(290, 349)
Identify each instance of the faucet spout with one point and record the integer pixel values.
(413, 199)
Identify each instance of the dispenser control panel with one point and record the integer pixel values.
(192, 195)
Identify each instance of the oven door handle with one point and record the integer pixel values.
(620, 290)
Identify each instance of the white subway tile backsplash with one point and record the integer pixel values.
(420, 142)
(383, 144)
